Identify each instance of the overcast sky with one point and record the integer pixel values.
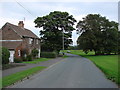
(12, 12)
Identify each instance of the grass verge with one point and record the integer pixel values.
(37, 60)
(9, 80)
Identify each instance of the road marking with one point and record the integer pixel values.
(54, 64)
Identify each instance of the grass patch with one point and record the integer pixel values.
(107, 63)
(37, 60)
(78, 52)
(9, 80)
(65, 56)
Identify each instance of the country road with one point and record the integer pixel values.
(71, 72)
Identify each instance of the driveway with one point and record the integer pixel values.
(28, 66)
(72, 72)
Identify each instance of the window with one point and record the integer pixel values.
(18, 52)
(30, 40)
(36, 41)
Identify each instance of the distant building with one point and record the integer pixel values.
(19, 40)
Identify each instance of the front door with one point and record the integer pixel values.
(11, 58)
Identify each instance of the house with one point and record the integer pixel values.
(19, 40)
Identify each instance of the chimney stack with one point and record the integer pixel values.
(21, 24)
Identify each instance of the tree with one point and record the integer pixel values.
(72, 48)
(110, 40)
(53, 26)
(5, 55)
(98, 34)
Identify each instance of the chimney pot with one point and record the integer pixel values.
(21, 24)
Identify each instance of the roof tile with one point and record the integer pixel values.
(23, 31)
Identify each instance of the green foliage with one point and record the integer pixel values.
(24, 58)
(80, 52)
(11, 79)
(53, 26)
(73, 48)
(34, 53)
(98, 34)
(5, 55)
(37, 60)
(29, 58)
(17, 60)
(24, 52)
(49, 54)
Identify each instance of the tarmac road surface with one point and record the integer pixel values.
(72, 72)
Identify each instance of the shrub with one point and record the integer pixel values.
(17, 60)
(5, 55)
(29, 58)
(24, 52)
(34, 53)
(24, 59)
(48, 54)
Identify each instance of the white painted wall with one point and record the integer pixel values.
(39, 53)
(11, 58)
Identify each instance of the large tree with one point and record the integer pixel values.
(53, 26)
(98, 34)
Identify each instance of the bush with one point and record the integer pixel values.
(29, 58)
(17, 60)
(48, 54)
(34, 53)
(5, 55)
(24, 59)
(24, 52)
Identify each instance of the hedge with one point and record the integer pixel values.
(5, 55)
(49, 54)
(17, 60)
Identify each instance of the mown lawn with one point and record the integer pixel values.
(78, 52)
(37, 60)
(107, 63)
(9, 80)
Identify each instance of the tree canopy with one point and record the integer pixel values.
(52, 27)
(98, 34)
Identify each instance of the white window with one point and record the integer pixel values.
(30, 40)
(18, 52)
(36, 41)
